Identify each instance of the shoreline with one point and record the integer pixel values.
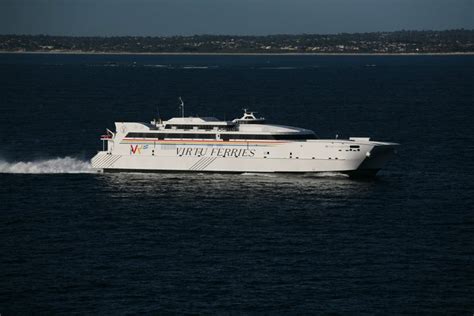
(233, 54)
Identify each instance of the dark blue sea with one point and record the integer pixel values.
(74, 241)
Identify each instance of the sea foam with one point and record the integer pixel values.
(56, 165)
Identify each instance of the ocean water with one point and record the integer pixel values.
(74, 241)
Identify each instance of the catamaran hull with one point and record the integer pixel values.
(355, 159)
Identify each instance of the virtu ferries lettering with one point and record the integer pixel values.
(215, 152)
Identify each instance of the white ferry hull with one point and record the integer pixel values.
(355, 158)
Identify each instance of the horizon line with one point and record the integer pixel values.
(246, 35)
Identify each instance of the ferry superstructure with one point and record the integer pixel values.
(246, 144)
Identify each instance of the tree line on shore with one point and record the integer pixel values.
(449, 41)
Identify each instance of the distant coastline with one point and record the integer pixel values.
(449, 42)
(233, 54)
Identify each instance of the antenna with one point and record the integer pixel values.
(181, 106)
(158, 117)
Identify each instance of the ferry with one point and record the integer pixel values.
(245, 144)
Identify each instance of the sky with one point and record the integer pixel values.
(233, 17)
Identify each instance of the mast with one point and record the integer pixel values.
(181, 106)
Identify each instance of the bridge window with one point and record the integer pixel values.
(171, 135)
(272, 137)
(224, 137)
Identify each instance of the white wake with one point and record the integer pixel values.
(56, 165)
(327, 174)
(259, 174)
